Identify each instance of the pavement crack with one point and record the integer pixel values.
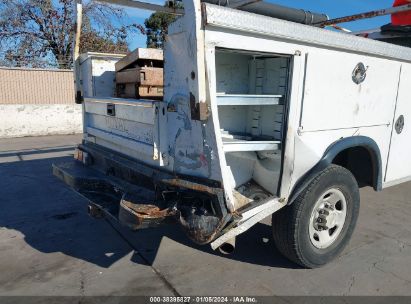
(155, 270)
(352, 281)
(374, 264)
(394, 275)
(401, 244)
(82, 279)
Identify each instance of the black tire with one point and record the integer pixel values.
(291, 224)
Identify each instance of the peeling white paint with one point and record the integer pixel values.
(19, 120)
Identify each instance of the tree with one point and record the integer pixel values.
(39, 33)
(157, 26)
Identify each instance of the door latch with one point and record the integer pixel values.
(111, 109)
(399, 124)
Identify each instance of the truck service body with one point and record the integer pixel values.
(261, 116)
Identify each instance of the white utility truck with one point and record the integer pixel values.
(261, 116)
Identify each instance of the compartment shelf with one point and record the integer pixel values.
(248, 99)
(242, 145)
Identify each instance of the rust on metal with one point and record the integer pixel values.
(205, 229)
(371, 14)
(340, 28)
(148, 211)
(190, 185)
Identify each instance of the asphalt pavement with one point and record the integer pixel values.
(50, 246)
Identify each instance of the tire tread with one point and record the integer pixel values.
(285, 222)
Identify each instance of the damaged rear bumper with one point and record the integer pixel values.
(139, 196)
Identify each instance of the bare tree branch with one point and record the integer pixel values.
(39, 31)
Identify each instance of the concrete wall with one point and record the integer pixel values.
(35, 120)
(37, 102)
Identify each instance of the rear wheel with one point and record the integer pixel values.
(317, 226)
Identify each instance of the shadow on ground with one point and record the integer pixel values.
(52, 218)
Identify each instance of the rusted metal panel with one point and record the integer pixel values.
(367, 15)
(144, 76)
(139, 211)
(191, 185)
(120, 194)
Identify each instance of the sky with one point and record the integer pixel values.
(334, 8)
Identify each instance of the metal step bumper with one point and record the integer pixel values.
(140, 197)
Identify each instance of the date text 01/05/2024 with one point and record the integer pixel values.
(203, 299)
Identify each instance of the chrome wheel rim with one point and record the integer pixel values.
(328, 218)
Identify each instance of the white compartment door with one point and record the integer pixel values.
(399, 159)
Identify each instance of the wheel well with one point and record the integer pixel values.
(358, 154)
(359, 161)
